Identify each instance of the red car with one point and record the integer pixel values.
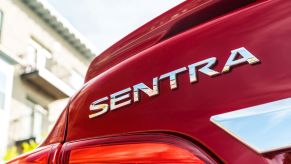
(209, 81)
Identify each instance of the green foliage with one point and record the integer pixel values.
(26, 147)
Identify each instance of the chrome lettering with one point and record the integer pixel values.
(119, 96)
(210, 62)
(246, 57)
(100, 108)
(173, 77)
(123, 97)
(141, 86)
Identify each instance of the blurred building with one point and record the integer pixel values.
(43, 60)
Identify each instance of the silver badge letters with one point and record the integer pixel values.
(123, 97)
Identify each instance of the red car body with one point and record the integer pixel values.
(178, 120)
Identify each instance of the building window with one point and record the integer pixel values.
(5, 84)
(40, 123)
(2, 89)
(1, 22)
(6, 79)
(75, 80)
(33, 123)
(37, 55)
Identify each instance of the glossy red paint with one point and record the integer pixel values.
(39, 156)
(58, 133)
(49, 154)
(262, 27)
(184, 16)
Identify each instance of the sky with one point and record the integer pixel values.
(104, 22)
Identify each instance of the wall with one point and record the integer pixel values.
(20, 24)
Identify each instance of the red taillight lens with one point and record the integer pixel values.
(39, 155)
(133, 153)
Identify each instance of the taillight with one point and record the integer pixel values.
(138, 148)
(134, 153)
(40, 155)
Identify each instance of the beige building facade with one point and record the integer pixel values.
(43, 60)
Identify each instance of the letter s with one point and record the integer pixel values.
(100, 108)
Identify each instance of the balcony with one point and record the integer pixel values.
(49, 83)
(46, 71)
(53, 78)
(28, 120)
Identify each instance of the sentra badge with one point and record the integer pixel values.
(123, 97)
